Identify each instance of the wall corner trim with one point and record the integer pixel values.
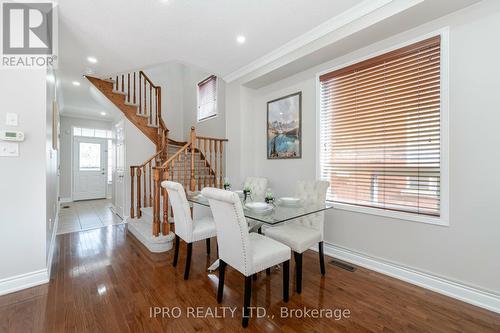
(23, 281)
(434, 283)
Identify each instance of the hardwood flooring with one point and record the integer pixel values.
(104, 281)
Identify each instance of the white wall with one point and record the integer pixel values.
(23, 180)
(468, 250)
(170, 78)
(138, 148)
(179, 100)
(66, 149)
(51, 165)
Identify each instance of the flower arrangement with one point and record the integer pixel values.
(269, 197)
(246, 192)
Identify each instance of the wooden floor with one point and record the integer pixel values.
(103, 281)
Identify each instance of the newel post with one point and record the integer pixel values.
(193, 148)
(165, 228)
(156, 202)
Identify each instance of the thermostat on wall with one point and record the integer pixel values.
(11, 135)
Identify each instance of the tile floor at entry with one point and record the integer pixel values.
(84, 215)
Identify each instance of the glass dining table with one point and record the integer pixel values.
(279, 212)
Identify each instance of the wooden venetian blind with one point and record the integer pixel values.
(207, 98)
(380, 130)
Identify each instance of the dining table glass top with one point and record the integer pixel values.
(278, 212)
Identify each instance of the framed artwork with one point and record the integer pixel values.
(284, 127)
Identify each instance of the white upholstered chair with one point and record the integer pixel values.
(185, 227)
(246, 252)
(258, 187)
(305, 232)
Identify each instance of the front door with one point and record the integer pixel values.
(89, 168)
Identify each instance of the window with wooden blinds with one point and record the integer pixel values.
(380, 130)
(207, 98)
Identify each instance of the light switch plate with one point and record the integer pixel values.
(9, 149)
(11, 119)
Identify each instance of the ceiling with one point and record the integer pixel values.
(137, 34)
(282, 36)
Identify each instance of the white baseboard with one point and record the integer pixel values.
(446, 287)
(65, 200)
(23, 281)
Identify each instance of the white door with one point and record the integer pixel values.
(120, 171)
(89, 168)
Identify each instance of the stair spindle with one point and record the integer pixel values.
(150, 102)
(145, 186)
(132, 174)
(221, 146)
(184, 165)
(199, 163)
(192, 181)
(210, 161)
(216, 170)
(134, 87)
(205, 181)
(145, 101)
(123, 83)
(139, 212)
(150, 187)
(128, 87)
(140, 94)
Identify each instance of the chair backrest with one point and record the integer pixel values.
(258, 186)
(232, 229)
(182, 214)
(312, 192)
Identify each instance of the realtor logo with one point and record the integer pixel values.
(27, 28)
(29, 34)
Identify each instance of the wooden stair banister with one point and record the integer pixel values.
(138, 98)
(190, 167)
(195, 163)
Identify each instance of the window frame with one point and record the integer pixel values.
(443, 219)
(216, 109)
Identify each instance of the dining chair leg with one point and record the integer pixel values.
(321, 258)
(298, 272)
(176, 250)
(246, 301)
(208, 245)
(222, 272)
(286, 280)
(188, 260)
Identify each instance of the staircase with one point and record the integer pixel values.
(195, 164)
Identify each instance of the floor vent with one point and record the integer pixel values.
(343, 265)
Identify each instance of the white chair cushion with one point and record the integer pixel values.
(204, 228)
(294, 235)
(247, 253)
(312, 192)
(266, 252)
(185, 227)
